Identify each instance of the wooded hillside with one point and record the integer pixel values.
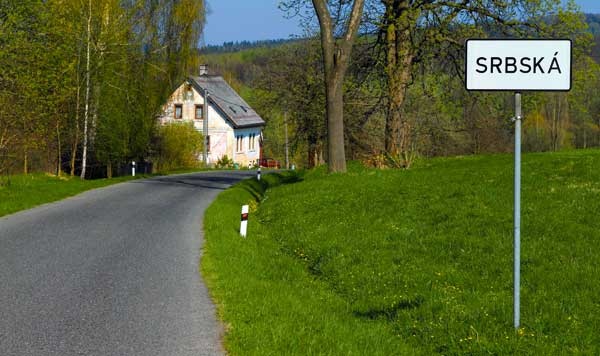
(439, 117)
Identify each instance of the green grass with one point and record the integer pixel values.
(28, 191)
(411, 262)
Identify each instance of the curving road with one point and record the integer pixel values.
(112, 271)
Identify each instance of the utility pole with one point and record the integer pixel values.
(205, 127)
(287, 149)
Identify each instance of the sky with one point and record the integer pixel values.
(252, 20)
(239, 20)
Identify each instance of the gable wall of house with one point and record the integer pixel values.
(223, 137)
(248, 154)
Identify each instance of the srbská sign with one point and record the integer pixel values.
(518, 65)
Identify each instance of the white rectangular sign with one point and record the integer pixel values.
(515, 65)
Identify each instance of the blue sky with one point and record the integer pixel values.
(239, 20)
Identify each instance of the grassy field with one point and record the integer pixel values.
(411, 262)
(28, 191)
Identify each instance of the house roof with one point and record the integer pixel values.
(227, 101)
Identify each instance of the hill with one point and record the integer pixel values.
(412, 262)
(592, 20)
(236, 46)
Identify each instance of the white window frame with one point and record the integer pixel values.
(252, 142)
(239, 147)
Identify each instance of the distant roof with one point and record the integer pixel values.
(228, 101)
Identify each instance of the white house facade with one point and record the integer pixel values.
(234, 128)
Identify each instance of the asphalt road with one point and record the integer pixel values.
(112, 271)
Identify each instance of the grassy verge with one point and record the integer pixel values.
(28, 191)
(270, 304)
(412, 262)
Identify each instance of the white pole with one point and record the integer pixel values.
(133, 168)
(517, 214)
(205, 127)
(258, 174)
(244, 221)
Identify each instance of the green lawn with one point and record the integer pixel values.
(28, 191)
(411, 262)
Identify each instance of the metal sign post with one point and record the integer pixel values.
(517, 214)
(516, 65)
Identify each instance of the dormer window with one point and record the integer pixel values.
(178, 111)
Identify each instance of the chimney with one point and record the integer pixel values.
(203, 69)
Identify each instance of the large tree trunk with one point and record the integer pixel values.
(400, 54)
(397, 129)
(335, 126)
(336, 54)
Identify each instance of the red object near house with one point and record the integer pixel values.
(269, 163)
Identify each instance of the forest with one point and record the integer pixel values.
(81, 81)
(437, 116)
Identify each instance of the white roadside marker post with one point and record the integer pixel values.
(244, 221)
(258, 174)
(133, 168)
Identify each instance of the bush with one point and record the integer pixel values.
(224, 162)
(179, 146)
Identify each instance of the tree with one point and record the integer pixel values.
(415, 31)
(293, 83)
(179, 146)
(336, 55)
(78, 77)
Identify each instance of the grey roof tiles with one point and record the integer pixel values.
(227, 101)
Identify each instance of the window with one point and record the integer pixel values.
(199, 112)
(208, 143)
(252, 142)
(239, 144)
(178, 111)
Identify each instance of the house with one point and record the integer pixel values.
(234, 128)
